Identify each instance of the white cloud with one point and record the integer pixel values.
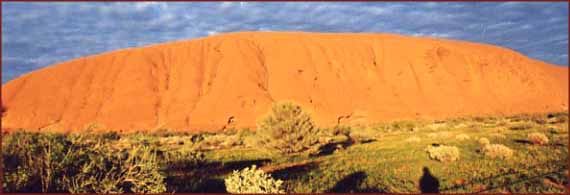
(211, 32)
(142, 6)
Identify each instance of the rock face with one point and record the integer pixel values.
(231, 80)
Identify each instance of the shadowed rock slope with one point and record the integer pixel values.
(230, 80)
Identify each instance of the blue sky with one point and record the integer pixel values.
(35, 35)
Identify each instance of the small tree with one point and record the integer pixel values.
(288, 129)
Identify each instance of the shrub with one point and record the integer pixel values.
(462, 137)
(436, 126)
(364, 135)
(338, 134)
(180, 160)
(35, 158)
(538, 138)
(253, 181)
(288, 129)
(484, 141)
(521, 125)
(497, 151)
(250, 141)
(213, 142)
(498, 135)
(403, 125)
(77, 164)
(442, 134)
(443, 153)
(135, 170)
(141, 138)
(339, 130)
(554, 118)
(245, 134)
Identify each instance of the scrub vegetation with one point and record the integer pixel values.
(495, 154)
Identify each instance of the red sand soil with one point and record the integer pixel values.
(230, 80)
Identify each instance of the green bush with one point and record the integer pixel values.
(288, 129)
(253, 181)
(443, 153)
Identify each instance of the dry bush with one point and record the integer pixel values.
(444, 134)
(500, 130)
(436, 126)
(460, 126)
(363, 135)
(250, 141)
(538, 138)
(75, 163)
(497, 151)
(337, 134)
(220, 141)
(443, 153)
(403, 125)
(522, 125)
(498, 135)
(554, 118)
(462, 137)
(211, 142)
(232, 141)
(484, 141)
(134, 170)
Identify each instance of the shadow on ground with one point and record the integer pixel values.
(428, 182)
(329, 148)
(522, 141)
(351, 184)
(293, 171)
(559, 168)
(204, 177)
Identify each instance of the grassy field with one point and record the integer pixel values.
(386, 157)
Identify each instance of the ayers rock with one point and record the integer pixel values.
(230, 80)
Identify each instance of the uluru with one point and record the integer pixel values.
(230, 80)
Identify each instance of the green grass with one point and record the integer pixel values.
(389, 163)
